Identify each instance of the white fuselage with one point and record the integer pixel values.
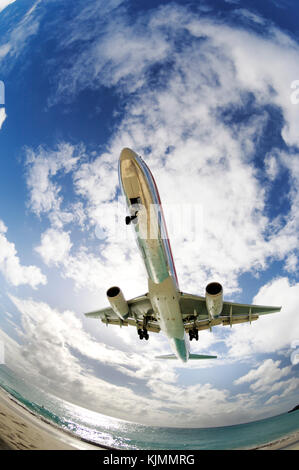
(143, 199)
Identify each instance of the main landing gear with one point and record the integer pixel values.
(193, 334)
(143, 333)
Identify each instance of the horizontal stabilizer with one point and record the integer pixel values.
(191, 356)
(167, 356)
(201, 356)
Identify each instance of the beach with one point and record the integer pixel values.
(21, 429)
(290, 442)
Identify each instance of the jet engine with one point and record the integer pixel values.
(118, 302)
(214, 299)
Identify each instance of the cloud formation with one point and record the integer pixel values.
(269, 333)
(207, 104)
(3, 116)
(5, 3)
(17, 38)
(42, 167)
(55, 246)
(14, 272)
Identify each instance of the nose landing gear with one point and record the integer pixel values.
(193, 334)
(134, 206)
(131, 218)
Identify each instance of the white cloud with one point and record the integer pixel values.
(3, 115)
(17, 38)
(263, 377)
(288, 386)
(243, 13)
(291, 263)
(271, 166)
(97, 180)
(5, 3)
(42, 167)
(4, 50)
(257, 72)
(273, 332)
(3, 228)
(97, 273)
(102, 62)
(55, 246)
(14, 272)
(269, 379)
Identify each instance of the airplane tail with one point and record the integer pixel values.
(191, 356)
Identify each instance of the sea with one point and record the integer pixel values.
(115, 433)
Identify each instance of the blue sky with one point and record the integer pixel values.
(204, 93)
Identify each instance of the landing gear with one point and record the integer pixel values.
(193, 334)
(142, 333)
(131, 218)
(134, 207)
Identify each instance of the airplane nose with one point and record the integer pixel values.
(127, 154)
(127, 165)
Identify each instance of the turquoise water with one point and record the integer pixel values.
(125, 435)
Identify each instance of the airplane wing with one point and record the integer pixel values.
(140, 315)
(195, 313)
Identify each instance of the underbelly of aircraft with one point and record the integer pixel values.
(164, 300)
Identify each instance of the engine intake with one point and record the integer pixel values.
(214, 299)
(117, 301)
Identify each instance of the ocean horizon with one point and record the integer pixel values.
(116, 433)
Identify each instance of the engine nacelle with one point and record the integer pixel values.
(118, 302)
(214, 298)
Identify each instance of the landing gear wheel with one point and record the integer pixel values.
(143, 334)
(131, 218)
(140, 333)
(193, 334)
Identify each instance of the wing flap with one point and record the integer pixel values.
(208, 324)
(151, 326)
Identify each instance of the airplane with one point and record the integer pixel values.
(165, 308)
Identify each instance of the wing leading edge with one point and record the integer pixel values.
(195, 313)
